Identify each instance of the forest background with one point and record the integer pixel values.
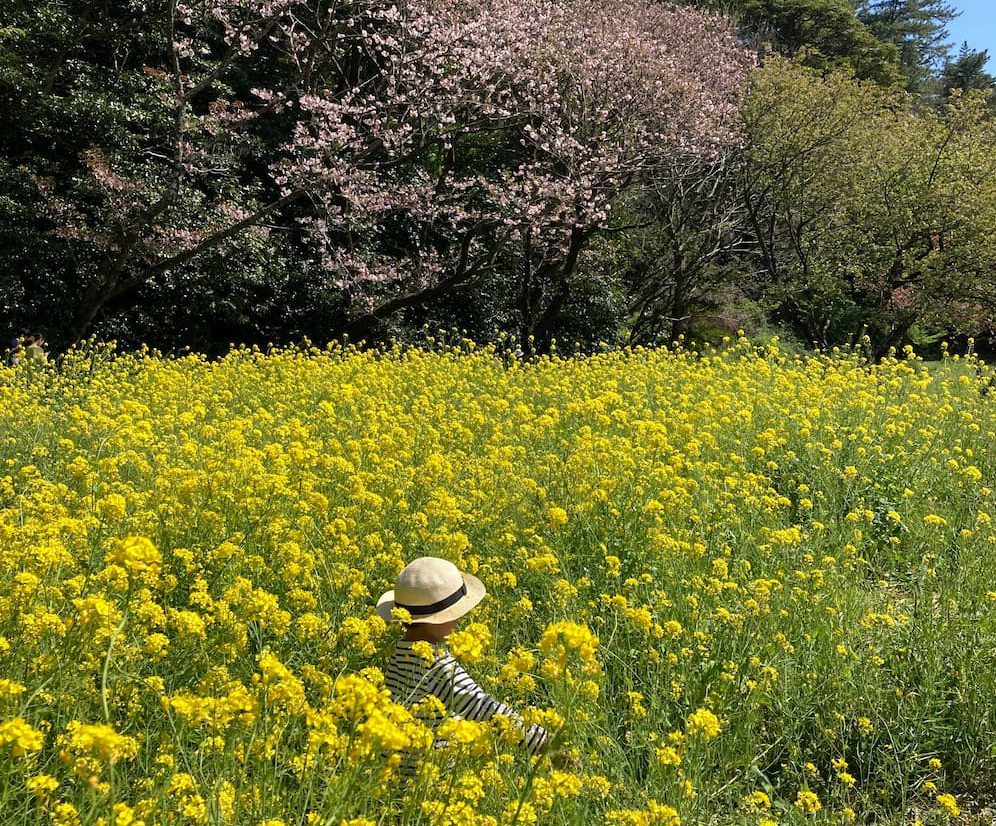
(620, 171)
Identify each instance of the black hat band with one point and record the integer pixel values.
(446, 602)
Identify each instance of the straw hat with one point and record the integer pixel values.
(432, 590)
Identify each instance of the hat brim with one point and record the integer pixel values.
(475, 593)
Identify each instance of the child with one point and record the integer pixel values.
(436, 594)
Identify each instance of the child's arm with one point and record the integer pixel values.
(464, 697)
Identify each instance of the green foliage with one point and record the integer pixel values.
(871, 214)
(967, 72)
(88, 141)
(862, 211)
(686, 258)
(823, 33)
(917, 27)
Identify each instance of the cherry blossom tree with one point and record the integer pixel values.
(576, 101)
(422, 143)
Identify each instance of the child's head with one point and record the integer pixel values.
(431, 631)
(435, 593)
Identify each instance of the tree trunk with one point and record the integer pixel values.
(110, 284)
(537, 323)
(362, 327)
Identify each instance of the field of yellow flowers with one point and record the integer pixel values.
(743, 587)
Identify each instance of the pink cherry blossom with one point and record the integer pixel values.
(427, 138)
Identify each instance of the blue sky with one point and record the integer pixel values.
(977, 25)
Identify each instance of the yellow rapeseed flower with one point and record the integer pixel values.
(20, 737)
(703, 723)
(807, 802)
(948, 803)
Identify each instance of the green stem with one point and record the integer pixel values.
(103, 688)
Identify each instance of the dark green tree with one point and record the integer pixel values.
(113, 169)
(919, 28)
(967, 72)
(686, 257)
(823, 33)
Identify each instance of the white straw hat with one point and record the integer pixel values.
(432, 590)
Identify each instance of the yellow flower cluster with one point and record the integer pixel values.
(566, 639)
(948, 804)
(703, 723)
(87, 748)
(700, 566)
(469, 644)
(20, 737)
(231, 703)
(808, 802)
(655, 813)
(138, 556)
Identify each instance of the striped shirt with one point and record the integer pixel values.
(410, 680)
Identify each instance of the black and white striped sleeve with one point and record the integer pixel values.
(464, 697)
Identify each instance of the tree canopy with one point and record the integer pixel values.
(917, 27)
(873, 214)
(208, 171)
(967, 72)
